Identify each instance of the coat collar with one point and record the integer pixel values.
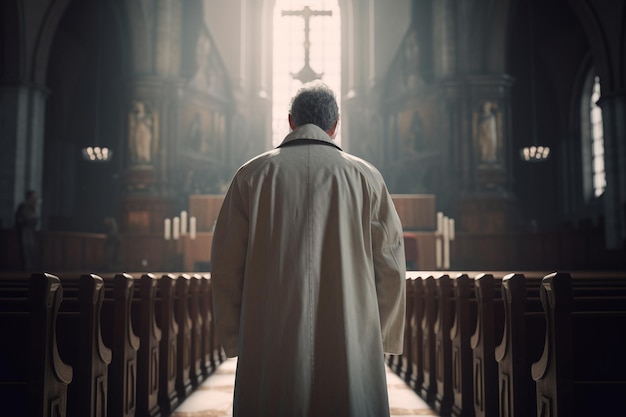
(310, 132)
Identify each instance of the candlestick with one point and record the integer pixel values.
(439, 222)
(451, 228)
(192, 227)
(446, 244)
(183, 222)
(437, 252)
(167, 232)
(176, 228)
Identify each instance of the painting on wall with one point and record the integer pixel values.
(417, 130)
(209, 75)
(413, 151)
(487, 133)
(202, 145)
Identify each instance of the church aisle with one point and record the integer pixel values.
(214, 397)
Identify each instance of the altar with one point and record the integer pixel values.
(417, 213)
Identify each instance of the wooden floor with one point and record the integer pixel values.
(214, 398)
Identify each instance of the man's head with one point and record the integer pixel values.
(315, 103)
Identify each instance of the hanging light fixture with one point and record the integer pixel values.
(533, 153)
(97, 153)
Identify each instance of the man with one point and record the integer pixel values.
(25, 223)
(308, 275)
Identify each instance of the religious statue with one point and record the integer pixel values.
(201, 78)
(416, 133)
(411, 61)
(488, 132)
(140, 134)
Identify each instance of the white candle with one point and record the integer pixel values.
(446, 244)
(176, 228)
(167, 232)
(192, 227)
(439, 222)
(451, 228)
(437, 251)
(183, 222)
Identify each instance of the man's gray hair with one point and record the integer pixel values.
(315, 103)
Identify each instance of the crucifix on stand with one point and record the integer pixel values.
(306, 74)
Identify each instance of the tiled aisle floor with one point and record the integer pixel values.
(214, 398)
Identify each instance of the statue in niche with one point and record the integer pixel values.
(201, 78)
(487, 132)
(140, 134)
(194, 136)
(416, 133)
(411, 62)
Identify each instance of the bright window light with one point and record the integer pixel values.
(289, 54)
(597, 141)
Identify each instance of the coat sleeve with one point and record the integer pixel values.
(228, 257)
(390, 272)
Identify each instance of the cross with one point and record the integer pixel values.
(306, 74)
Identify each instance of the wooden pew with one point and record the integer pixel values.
(443, 344)
(489, 328)
(582, 370)
(168, 360)
(415, 326)
(197, 326)
(405, 365)
(465, 312)
(217, 355)
(207, 365)
(521, 344)
(118, 334)
(80, 344)
(183, 365)
(148, 367)
(33, 378)
(428, 388)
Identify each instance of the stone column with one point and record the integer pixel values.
(613, 106)
(21, 160)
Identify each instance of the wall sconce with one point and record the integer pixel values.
(97, 153)
(533, 153)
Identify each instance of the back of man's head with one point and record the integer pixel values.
(315, 103)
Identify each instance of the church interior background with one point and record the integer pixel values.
(456, 102)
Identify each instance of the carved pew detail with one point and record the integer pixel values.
(148, 354)
(119, 335)
(197, 323)
(34, 378)
(183, 366)
(429, 383)
(417, 354)
(443, 345)
(168, 360)
(406, 358)
(482, 342)
(80, 343)
(464, 323)
(521, 343)
(206, 349)
(582, 370)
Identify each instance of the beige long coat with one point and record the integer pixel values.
(308, 277)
